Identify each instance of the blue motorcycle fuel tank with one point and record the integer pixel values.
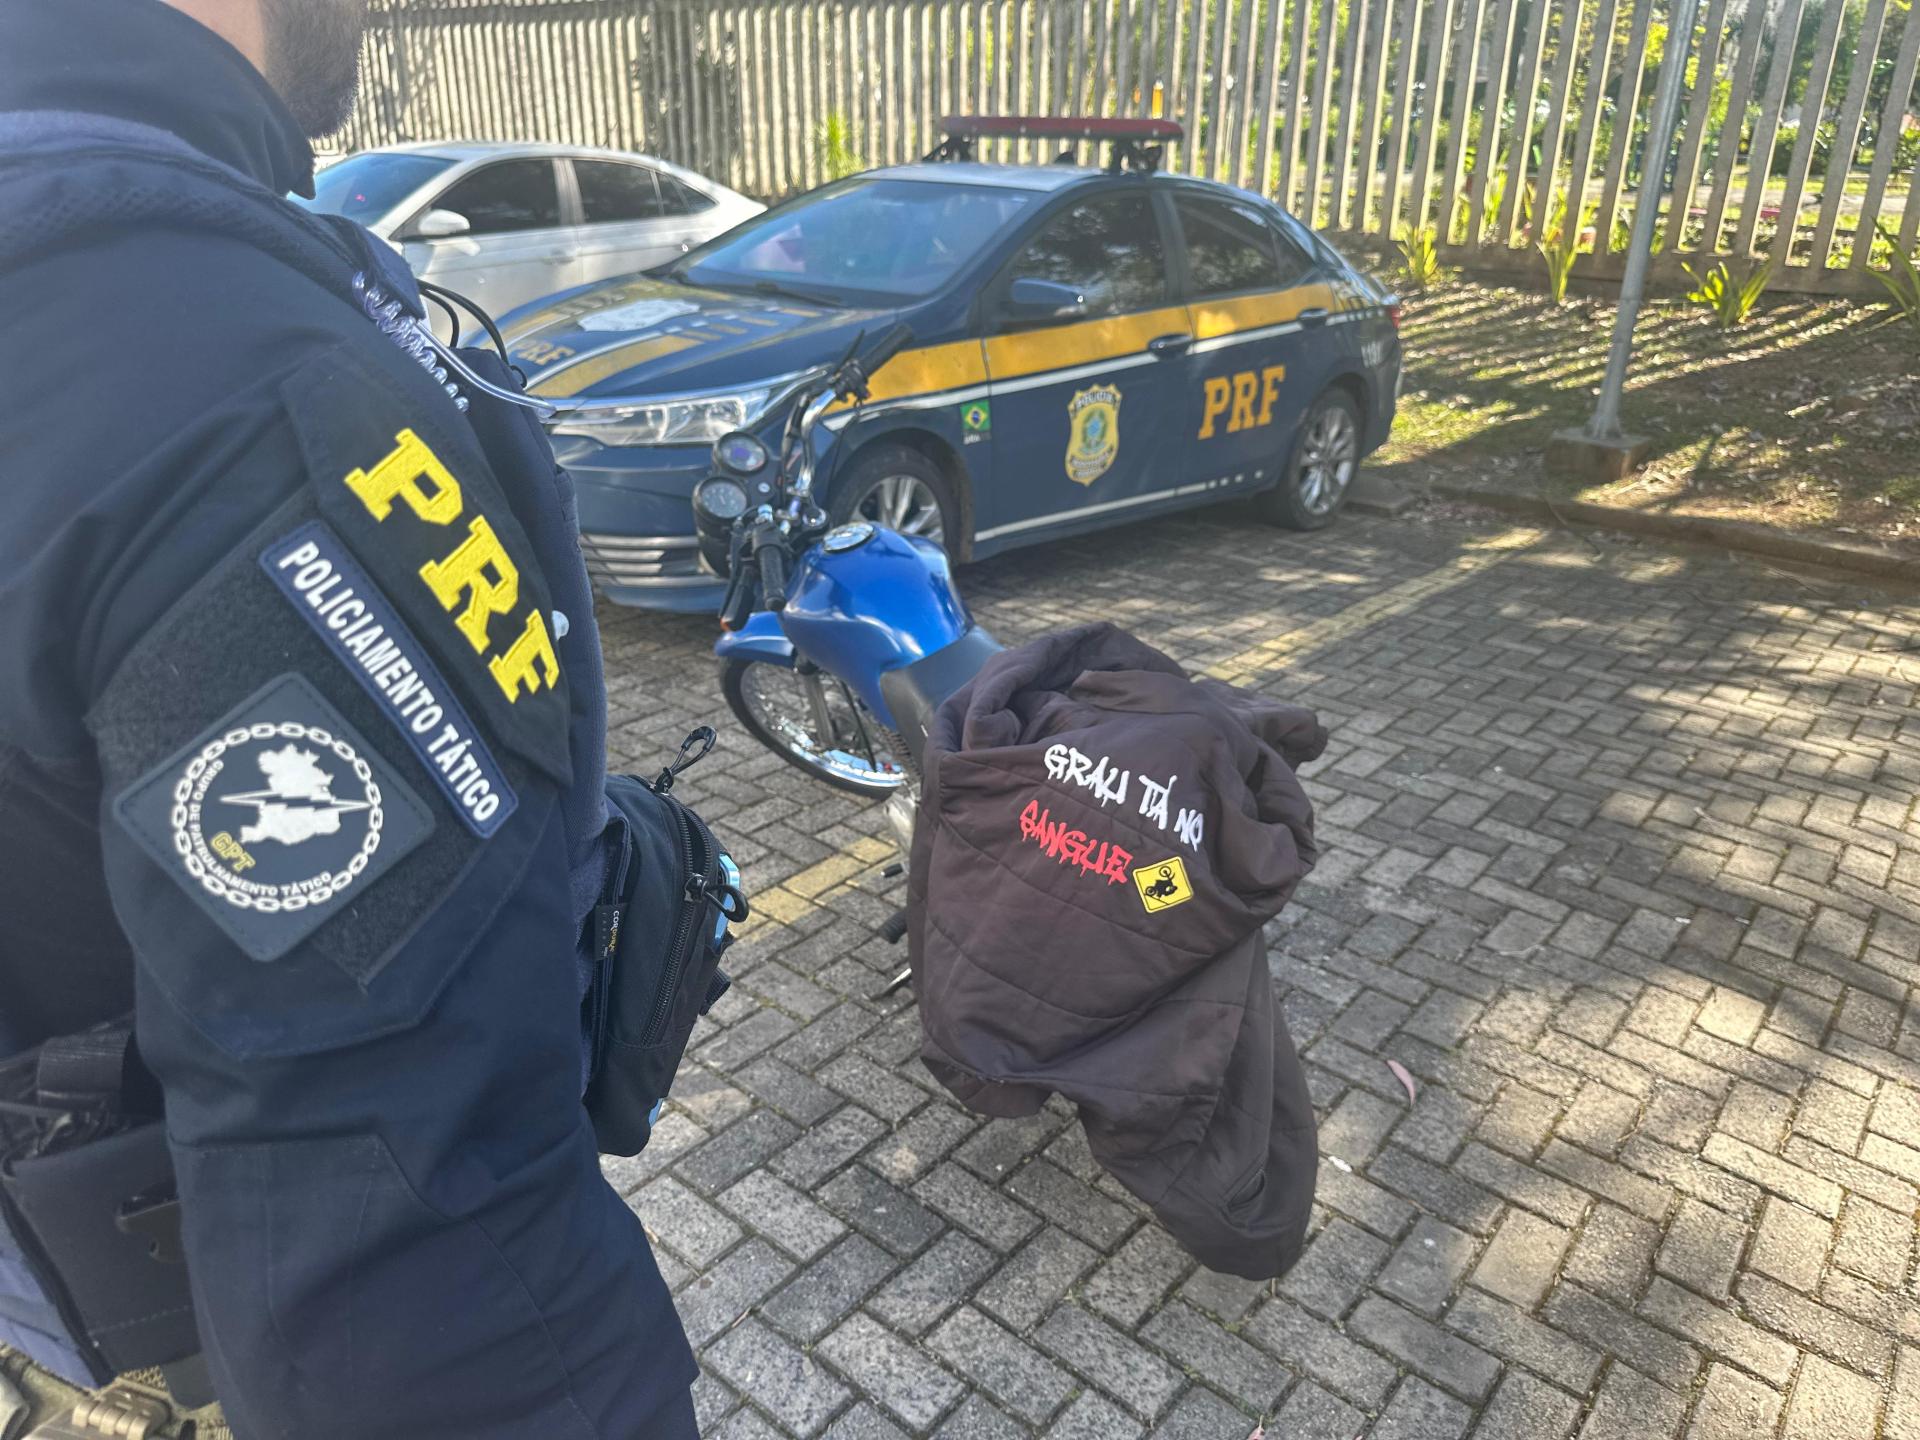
(865, 600)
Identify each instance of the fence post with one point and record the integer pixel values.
(1378, 40)
(1433, 97)
(1604, 428)
(1846, 137)
(1466, 79)
(1343, 162)
(1532, 53)
(1633, 66)
(1766, 126)
(1883, 147)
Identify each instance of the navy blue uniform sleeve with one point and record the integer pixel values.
(331, 727)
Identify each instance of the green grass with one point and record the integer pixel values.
(1807, 416)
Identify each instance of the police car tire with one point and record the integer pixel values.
(883, 462)
(1283, 504)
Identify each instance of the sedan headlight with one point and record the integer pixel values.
(672, 419)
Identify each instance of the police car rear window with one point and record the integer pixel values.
(1229, 247)
(901, 238)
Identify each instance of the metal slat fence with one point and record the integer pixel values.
(1497, 122)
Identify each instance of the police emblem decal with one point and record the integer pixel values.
(270, 817)
(1093, 433)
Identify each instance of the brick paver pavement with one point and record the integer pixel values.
(1619, 860)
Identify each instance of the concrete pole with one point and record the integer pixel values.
(1605, 424)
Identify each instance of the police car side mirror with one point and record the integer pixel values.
(1030, 301)
(441, 225)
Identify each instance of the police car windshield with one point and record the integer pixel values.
(860, 238)
(366, 187)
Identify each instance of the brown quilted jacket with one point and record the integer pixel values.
(1100, 840)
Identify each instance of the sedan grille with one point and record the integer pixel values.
(644, 559)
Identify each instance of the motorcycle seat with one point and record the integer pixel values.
(914, 692)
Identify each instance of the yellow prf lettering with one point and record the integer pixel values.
(1244, 386)
(1219, 391)
(398, 477)
(479, 569)
(529, 661)
(1270, 379)
(1246, 398)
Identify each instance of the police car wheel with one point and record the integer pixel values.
(1320, 471)
(900, 488)
(782, 709)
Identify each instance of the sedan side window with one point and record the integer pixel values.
(1230, 247)
(1108, 249)
(679, 199)
(612, 193)
(506, 196)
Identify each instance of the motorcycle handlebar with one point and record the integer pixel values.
(768, 543)
(771, 552)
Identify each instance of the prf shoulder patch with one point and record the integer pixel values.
(336, 597)
(276, 818)
(417, 507)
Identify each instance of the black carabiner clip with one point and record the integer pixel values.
(702, 736)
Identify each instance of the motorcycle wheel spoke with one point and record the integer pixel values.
(843, 743)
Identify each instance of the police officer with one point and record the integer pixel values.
(301, 746)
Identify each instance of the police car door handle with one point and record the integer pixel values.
(1168, 346)
(1316, 316)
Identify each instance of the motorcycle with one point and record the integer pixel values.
(839, 641)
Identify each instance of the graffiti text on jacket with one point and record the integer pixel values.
(1109, 784)
(1069, 846)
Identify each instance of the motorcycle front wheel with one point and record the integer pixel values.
(813, 722)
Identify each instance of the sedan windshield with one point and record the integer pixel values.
(899, 239)
(365, 187)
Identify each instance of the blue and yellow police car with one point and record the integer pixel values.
(1092, 345)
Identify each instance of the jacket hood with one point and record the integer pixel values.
(643, 336)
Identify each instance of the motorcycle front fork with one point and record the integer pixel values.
(817, 705)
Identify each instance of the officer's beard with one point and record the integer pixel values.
(313, 58)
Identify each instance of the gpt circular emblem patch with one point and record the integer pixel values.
(277, 817)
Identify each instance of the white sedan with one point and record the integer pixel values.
(505, 224)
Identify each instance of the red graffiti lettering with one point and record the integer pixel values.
(1066, 845)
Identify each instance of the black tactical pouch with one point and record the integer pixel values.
(88, 1203)
(659, 932)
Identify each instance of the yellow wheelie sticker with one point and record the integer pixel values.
(1164, 885)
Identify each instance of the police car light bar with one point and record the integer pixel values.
(1136, 143)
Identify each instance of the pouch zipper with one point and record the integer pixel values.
(609, 918)
(698, 896)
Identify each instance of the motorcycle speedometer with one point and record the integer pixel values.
(721, 497)
(740, 453)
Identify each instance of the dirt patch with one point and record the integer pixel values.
(1807, 417)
